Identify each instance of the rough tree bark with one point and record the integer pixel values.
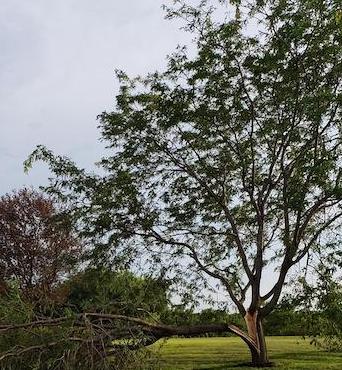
(255, 331)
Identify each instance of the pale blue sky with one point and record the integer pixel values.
(57, 64)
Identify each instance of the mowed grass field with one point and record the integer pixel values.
(231, 353)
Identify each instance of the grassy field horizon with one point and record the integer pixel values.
(224, 353)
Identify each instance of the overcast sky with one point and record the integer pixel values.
(57, 62)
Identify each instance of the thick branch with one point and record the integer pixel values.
(153, 331)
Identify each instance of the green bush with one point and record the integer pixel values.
(104, 290)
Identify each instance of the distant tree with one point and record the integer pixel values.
(228, 164)
(104, 290)
(35, 249)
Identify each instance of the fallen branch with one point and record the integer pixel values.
(143, 333)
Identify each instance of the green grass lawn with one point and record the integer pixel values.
(230, 353)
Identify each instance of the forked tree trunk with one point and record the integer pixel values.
(255, 331)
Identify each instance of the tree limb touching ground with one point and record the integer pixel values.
(105, 332)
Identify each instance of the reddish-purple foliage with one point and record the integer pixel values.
(34, 249)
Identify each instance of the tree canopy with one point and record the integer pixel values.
(228, 163)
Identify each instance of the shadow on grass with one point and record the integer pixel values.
(243, 365)
(301, 358)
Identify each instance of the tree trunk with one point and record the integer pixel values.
(255, 331)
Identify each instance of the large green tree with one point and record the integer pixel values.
(227, 164)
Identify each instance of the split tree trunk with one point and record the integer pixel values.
(255, 331)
